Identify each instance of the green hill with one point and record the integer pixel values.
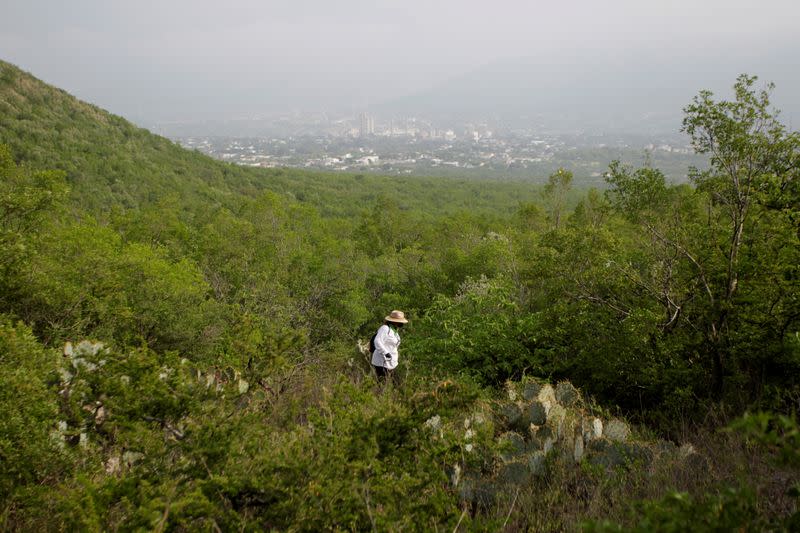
(110, 161)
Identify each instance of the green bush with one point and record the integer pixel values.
(84, 282)
(731, 510)
(480, 332)
(31, 453)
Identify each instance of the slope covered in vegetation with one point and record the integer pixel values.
(111, 162)
(177, 334)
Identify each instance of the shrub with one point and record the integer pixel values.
(29, 455)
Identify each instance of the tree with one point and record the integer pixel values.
(26, 197)
(29, 453)
(721, 259)
(558, 185)
(664, 213)
(750, 150)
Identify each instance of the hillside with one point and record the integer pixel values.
(102, 154)
(178, 338)
(110, 161)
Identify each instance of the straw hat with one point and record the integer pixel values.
(397, 316)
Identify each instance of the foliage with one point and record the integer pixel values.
(479, 332)
(29, 455)
(219, 389)
(129, 293)
(186, 447)
(555, 191)
(749, 149)
(780, 432)
(781, 435)
(707, 260)
(25, 197)
(732, 510)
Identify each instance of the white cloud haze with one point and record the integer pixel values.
(173, 59)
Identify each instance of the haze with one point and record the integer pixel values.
(154, 61)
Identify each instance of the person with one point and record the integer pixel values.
(387, 340)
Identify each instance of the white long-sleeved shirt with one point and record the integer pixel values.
(386, 342)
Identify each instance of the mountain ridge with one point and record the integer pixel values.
(632, 93)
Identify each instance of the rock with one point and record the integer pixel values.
(530, 390)
(603, 452)
(548, 444)
(555, 419)
(538, 436)
(86, 348)
(537, 463)
(516, 472)
(434, 423)
(100, 416)
(66, 375)
(665, 447)
(536, 413)
(640, 453)
(113, 465)
(592, 429)
(485, 494)
(617, 430)
(613, 454)
(512, 445)
(81, 352)
(597, 428)
(468, 436)
(547, 395)
(466, 492)
(59, 435)
(570, 425)
(511, 416)
(512, 392)
(566, 394)
(577, 452)
(479, 422)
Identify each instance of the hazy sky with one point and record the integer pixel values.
(163, 59)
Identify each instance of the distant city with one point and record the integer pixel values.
(419, 146)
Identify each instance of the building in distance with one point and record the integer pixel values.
(367, 125)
